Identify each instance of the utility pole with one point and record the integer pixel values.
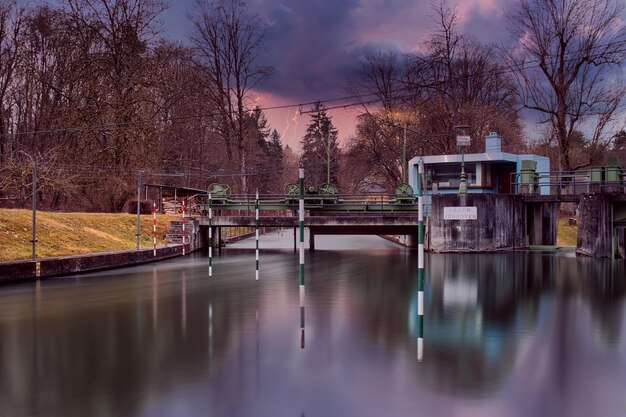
(34, 198)
(138, 207)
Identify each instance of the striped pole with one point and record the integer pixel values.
(301, 224)
(256, 209)
(154, 228)
(184, 207)
(210, 237)
(420, 265)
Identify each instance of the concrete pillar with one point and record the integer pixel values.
(595, 226)
(541, 221)
(411, 241)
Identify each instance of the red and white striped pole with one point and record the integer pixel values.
(154, 228)
(184, 208)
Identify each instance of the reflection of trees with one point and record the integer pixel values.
(105, 346)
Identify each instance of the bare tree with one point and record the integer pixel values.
(567, 65)
(229, 39)
(11, 25)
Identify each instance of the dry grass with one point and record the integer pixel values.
(565, 234)
(73, 233)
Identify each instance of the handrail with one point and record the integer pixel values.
(595, 179)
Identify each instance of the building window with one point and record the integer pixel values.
(449, 175)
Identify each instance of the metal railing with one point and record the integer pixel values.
(593, 180)
(370, 202)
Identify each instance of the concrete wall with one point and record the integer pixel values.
(595, 227)
(64, 265)
(500, 223)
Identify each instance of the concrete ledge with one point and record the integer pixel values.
(64, 265)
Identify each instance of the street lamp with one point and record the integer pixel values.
(34, 198)
(462, 140)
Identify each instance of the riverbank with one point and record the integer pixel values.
(63, 265)
(63, 234)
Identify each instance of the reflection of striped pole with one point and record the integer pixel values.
(184, 207)
(420, 265)
(210, 237)
(301, 223)
(154, 228)
(256, 207)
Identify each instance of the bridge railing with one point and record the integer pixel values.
(369, 202)
(592, 180)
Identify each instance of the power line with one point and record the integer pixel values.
(532, 64)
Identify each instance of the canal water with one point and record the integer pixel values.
(506, 334)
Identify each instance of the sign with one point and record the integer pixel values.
(460, 213)
(463, 140)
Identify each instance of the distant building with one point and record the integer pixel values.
(489, 172)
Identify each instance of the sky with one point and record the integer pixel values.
(316, 45)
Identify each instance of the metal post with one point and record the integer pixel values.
(34, 206)
(301, 224)
(463, 185)
(184, 207)
(34, 198)
(328, 156)
(210, 237)
(404, 167)
(154, 233)
(138, 207)
(420, 265)
(256, 209)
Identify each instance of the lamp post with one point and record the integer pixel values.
(328, 156)
(34, 198)
(462, 140)
(138, 233)
(404, 167)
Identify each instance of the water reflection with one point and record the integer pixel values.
(505, 334)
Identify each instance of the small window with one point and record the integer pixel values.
(449, 175)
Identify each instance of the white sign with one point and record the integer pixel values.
(460, 213)
(463, 140)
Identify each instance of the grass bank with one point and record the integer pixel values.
(61, 234)
(565, 234)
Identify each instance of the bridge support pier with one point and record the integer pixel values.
(601, 221)
(411, 241)
(541, 223)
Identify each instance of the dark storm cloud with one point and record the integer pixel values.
(316, 46)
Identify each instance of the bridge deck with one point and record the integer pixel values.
(340, 224)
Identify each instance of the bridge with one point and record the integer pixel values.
(525, 218)
(327, 214)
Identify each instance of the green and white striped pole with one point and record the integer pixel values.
(301, 224)
(420, 263)
(210, 237)
(256, 208)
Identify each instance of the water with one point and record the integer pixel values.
(505, 335)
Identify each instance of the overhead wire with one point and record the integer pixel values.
(362, 99)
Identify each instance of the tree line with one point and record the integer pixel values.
(93, 92)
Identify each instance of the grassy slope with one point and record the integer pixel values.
(565, 234)
(73, 233)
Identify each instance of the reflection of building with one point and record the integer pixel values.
(489, 172)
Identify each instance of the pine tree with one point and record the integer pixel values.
(319, 145)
